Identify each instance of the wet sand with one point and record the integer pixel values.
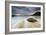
(21, 24)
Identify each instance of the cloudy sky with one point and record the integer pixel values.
(23, 10)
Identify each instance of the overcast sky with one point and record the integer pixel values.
(24, 10)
